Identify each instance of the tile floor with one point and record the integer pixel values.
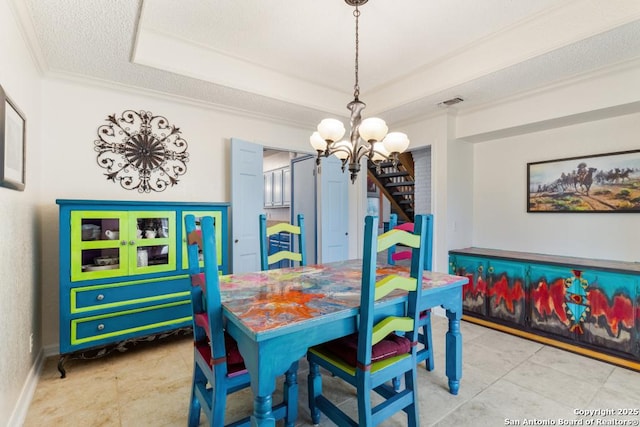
(506, 381)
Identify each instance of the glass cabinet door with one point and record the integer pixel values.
(98, 244)
(111, 243)
(152, 242)
(217, 222)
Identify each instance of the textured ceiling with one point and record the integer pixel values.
(292, 60)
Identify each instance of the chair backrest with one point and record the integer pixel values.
(267, 259)
(371, 328)
(393, 254)
(205, 285)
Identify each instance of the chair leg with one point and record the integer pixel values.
(426, 340)
(411, 383)
(219, 404)
(365, 412)
(291, 394)
(194, 405)
(314, 384)
(396, 381)
(194, 409)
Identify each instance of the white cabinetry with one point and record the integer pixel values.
(277, 188)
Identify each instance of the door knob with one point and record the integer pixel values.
(235, 241)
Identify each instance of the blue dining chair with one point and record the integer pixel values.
(394, 254)
(370, 359)
(219, 368)
(269, 258)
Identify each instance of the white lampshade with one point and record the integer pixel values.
(331, 129)
(379, 152)
(341, 149)
(396, 142)
(317, 142)
(373, 129)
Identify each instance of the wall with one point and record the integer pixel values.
(451, 189)
(594, 113)
(19, 233)
(72, 171)
(499, 187)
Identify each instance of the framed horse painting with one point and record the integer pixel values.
(596, 183)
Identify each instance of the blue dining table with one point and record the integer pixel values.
(276, 315)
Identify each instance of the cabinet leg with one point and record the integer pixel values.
(61, 361)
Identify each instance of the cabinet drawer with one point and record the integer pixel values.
(115, 326)
(120, 295)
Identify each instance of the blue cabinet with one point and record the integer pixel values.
(588, 306)
(280, 242)
(123, 270)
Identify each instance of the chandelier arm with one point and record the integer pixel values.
(363, 149)
(342, 148)
(383, 154)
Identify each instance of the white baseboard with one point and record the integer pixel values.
(19, 413)
(51, 350)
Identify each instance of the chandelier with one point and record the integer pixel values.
(367, 137)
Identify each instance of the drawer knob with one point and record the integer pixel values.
(100, 297)
(100, 326)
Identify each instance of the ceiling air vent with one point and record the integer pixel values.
(450, 102)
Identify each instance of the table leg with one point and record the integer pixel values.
(454, 351)
(291, 395)
(262, 414)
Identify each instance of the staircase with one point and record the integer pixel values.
(396, 184)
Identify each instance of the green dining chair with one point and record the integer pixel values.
(219, 368)
(395, 254)
(270, 256)
(371, 358)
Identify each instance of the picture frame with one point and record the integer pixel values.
(598, 183)
(12, 144)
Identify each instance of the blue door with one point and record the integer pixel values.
(303, 201)
(334, 211)
(247, 185)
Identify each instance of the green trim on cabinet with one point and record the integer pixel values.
(75, 322)
(169, 241)
(79, 245)
(75, 291)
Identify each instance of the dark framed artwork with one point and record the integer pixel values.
(597, 183)
(12, 144)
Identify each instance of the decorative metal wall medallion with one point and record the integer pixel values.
(141, 151)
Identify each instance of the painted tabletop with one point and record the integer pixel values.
(268, 303)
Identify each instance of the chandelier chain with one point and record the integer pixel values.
(367, 138)
(356, 87)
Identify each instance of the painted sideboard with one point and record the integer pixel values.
(123, 272)
(584, 305)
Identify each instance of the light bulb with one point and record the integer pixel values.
(317, 142)
(373, 129)
(331, 129)
(396, 142)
